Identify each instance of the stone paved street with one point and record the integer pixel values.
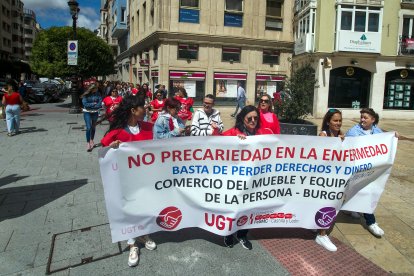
(50, 185)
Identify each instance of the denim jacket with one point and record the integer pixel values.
(357, 130)
(92, 102)
(162, 127)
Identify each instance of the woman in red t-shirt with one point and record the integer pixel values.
(12, 100)
(185, 113)
(127, 126)
(268, 119)
(247, 124)
(157, 105)
(111, 102)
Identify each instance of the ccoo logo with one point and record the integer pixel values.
(169, 218)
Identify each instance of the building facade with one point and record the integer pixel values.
(207, 46)
(31, 30)
(362, 52)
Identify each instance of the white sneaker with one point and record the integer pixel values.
(133, 256)
(149, 243)
(325, 242)
(376, 230)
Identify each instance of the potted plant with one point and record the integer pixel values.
(294, 103)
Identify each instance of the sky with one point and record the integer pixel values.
(56, 13)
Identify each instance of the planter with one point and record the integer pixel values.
(306, 128)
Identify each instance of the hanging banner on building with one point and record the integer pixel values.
(224, 184)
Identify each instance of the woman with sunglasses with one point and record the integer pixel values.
(268, 119)
(157, 105)
(247, 124)
(128, 126)
(168, 123)
(111, 102)
(331, 127)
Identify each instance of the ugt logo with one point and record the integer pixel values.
(169, 218)
(219, 221)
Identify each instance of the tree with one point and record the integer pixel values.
(298, 100)
(49, 54)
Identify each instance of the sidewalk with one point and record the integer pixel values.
(50, 185)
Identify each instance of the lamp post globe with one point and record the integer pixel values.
(74, 11)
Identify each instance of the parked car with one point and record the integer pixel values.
(44, 93)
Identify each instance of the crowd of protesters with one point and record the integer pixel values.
(135, 115)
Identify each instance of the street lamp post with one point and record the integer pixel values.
(74, 11)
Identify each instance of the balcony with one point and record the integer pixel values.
(361, 2)
(407, 4)
(406, 46)
(301, 5)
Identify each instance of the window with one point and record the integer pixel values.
(189, 4)
(123, 15)
(231, 54)
(271, 57)
(360, 18)
(188, 51)
(189, 11)
(155, 52)
(274, 20)
(152, 13)
(144, 15)
(408, 27)
(233, 14)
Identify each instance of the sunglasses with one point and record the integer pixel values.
(205, 103)
(250, 119)
(334, 110)
(264, 101)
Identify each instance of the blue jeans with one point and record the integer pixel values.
(90, 122)
(369, 219)
(240, 104)
(13, 118)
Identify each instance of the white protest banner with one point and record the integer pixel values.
(223, 184)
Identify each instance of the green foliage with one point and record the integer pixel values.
(49, 54)
(298, 101)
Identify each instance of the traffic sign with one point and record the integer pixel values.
(72, 52)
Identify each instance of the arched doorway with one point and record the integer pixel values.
(349, 87)
(399, 89)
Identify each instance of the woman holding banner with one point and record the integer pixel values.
(127, 126)
(247, 124)
(331, 127)
(367, 126)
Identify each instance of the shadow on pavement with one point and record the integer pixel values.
(282, 233)
(19, 201)
(24, 130)
(10, 179)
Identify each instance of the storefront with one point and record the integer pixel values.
(225, 86)
(268, 84)
(349, 87)
(193, 82)
(398, 92)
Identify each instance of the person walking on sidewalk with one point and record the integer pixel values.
(331, 127)
(12, 101)
(207, 120)
(128, 126)
(241, 99)
(92, 102)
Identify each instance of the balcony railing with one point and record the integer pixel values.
(360, 2)
(406, 46)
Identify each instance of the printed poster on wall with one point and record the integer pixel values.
(226, 88)
(190, 87)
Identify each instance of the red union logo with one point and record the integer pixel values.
(169, 218)
(242, 220)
